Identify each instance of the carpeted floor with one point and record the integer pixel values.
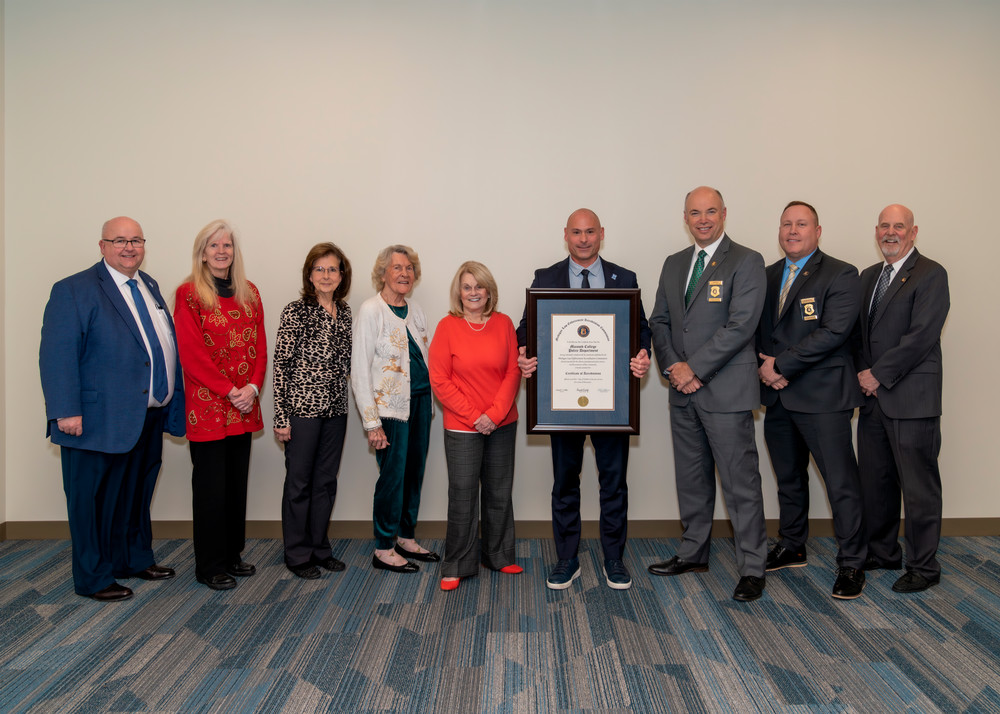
(371, 641)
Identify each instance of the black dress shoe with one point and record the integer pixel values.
(427, 557)
(222, 581)
(873, 563)
(382, 565)
(155, 572)
(677, 566)
(331, 564)
(112, 593)
(849, 584)
(912, 582)
(749, 588)
(306, 570)
(782, 557)
(240, 569)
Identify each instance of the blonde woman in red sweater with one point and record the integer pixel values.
(223, 350)
(474, 374)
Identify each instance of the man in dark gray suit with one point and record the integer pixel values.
(707, 308)
(898, 354)
(810, 388)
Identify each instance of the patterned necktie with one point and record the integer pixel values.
(792, 267)
(160, 384)
(883, 285)
(699, 268)
(585, 274)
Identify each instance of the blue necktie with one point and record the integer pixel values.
(160, 385)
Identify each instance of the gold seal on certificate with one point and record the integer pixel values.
(583, 362)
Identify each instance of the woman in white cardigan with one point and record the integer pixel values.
(392, 391)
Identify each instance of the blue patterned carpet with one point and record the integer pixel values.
(371, 641)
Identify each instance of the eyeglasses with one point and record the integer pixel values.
(319, 270)
(120, 243)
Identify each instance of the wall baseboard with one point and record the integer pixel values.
(820, 527)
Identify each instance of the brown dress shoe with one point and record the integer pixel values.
(112, 593)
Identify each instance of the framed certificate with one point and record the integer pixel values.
(584, 340)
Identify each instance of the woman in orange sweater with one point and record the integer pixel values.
(474, 374)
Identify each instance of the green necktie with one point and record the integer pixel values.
(699, 268)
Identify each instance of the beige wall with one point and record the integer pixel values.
(470, 131)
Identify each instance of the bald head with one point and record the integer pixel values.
(583, 235)
(895, 232)
(126, 258)
(122, 226)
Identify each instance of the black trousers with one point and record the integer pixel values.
(219, 489)
(791, 437)
(312, 460)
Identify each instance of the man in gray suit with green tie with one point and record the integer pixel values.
(708, 304)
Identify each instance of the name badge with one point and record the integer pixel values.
(808, 308)
(715, 291)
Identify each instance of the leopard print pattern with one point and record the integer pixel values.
(312, 362)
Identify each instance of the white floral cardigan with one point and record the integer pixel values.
(380, 360)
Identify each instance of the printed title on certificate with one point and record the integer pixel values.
(583, 362)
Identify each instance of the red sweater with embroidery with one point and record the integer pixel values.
(219, 350)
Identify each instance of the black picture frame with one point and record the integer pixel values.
(623, 305)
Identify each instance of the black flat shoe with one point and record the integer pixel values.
(428, 557)
(331, 564)
(222, 581)
(240, 569)
(382, 565)
(306, 570)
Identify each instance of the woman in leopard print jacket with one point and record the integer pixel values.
(312, 363)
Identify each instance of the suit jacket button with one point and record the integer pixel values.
(145, 391)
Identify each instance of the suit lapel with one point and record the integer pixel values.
(681, 277)
(610, 274)
(115, 296)
(562, 275)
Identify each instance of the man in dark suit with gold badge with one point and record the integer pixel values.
(809, 386)
(904, 304)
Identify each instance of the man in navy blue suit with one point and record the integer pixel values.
(112, 385)
(584, 268)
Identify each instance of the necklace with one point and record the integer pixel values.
(481, 328)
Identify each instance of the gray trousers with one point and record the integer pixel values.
(479, 467)
(703, 441)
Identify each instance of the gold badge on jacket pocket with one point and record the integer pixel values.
(715, 291)
(808, 308)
